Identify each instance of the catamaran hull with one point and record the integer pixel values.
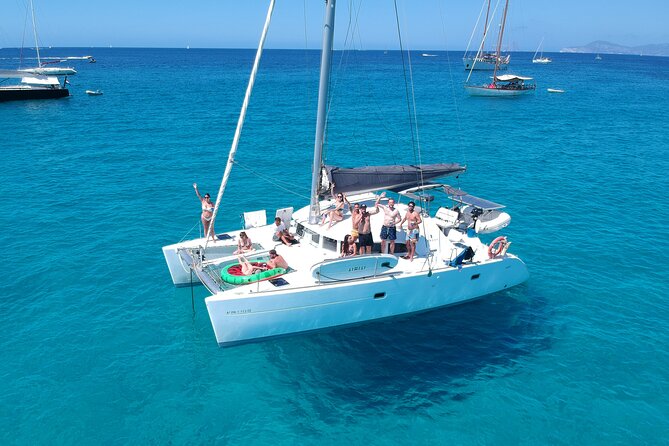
(248, 317)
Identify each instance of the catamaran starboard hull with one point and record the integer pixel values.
(248, 317)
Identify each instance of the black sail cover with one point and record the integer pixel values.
(373, 178)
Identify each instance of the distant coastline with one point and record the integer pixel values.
(602, 47)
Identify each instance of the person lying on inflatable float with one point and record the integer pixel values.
(248, 272)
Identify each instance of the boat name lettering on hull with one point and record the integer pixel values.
(358, 268)
(244, 311)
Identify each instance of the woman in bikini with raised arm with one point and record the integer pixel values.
(336, 214)
(207, 213)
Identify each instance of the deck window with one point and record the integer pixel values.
(330, 244)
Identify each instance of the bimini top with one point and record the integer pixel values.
(464, 198)
(453, 193)
(373, 178)
(512, 77)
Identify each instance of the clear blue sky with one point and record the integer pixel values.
(427, 24)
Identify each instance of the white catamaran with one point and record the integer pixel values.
(322, 290)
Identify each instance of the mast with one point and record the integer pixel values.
(32, 10)
(485, 27)
(242, 117)
(324, 84)
(499, 43)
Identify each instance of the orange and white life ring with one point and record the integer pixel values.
(497, 247)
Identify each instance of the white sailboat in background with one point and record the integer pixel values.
(507, 85)
(541, 59)
(42, 68)
(484, 60)
(322, 290)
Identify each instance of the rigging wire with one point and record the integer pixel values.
(479, 52)
(343, 62)
(240, 121)
(288, 187)
(406, 82)
(411, 101)
(461, 142)
(476, 25)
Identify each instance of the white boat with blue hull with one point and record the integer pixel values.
(320, 290)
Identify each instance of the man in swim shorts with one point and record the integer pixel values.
(413, 220)
(365, 240)
(390, 219)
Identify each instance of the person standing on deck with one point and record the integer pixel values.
(413, 220)
(390, 219)
(366, 241)
(207, 213)
(356, 216)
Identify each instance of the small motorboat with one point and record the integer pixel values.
(554, 90)
(94, 92)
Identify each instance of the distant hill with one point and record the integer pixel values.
(659, 49)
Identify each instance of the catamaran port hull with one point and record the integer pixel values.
(239, 318)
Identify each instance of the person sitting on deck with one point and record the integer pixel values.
(244, 243)
(348, 247)
(276, 260)
(247, 268)
(281, 233)
(336, 214)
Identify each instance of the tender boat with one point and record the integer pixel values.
(94, 92)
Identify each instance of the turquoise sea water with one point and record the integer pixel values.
(98, 347)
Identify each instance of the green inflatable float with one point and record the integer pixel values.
(233, 274)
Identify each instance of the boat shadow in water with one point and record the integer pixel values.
(418, 361)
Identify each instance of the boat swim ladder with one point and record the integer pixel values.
(240, 121)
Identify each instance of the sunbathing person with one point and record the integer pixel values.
(247, 268)
(336, 214)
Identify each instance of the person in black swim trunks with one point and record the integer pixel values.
(365, 239)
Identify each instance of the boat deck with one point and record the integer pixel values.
(316, 243)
